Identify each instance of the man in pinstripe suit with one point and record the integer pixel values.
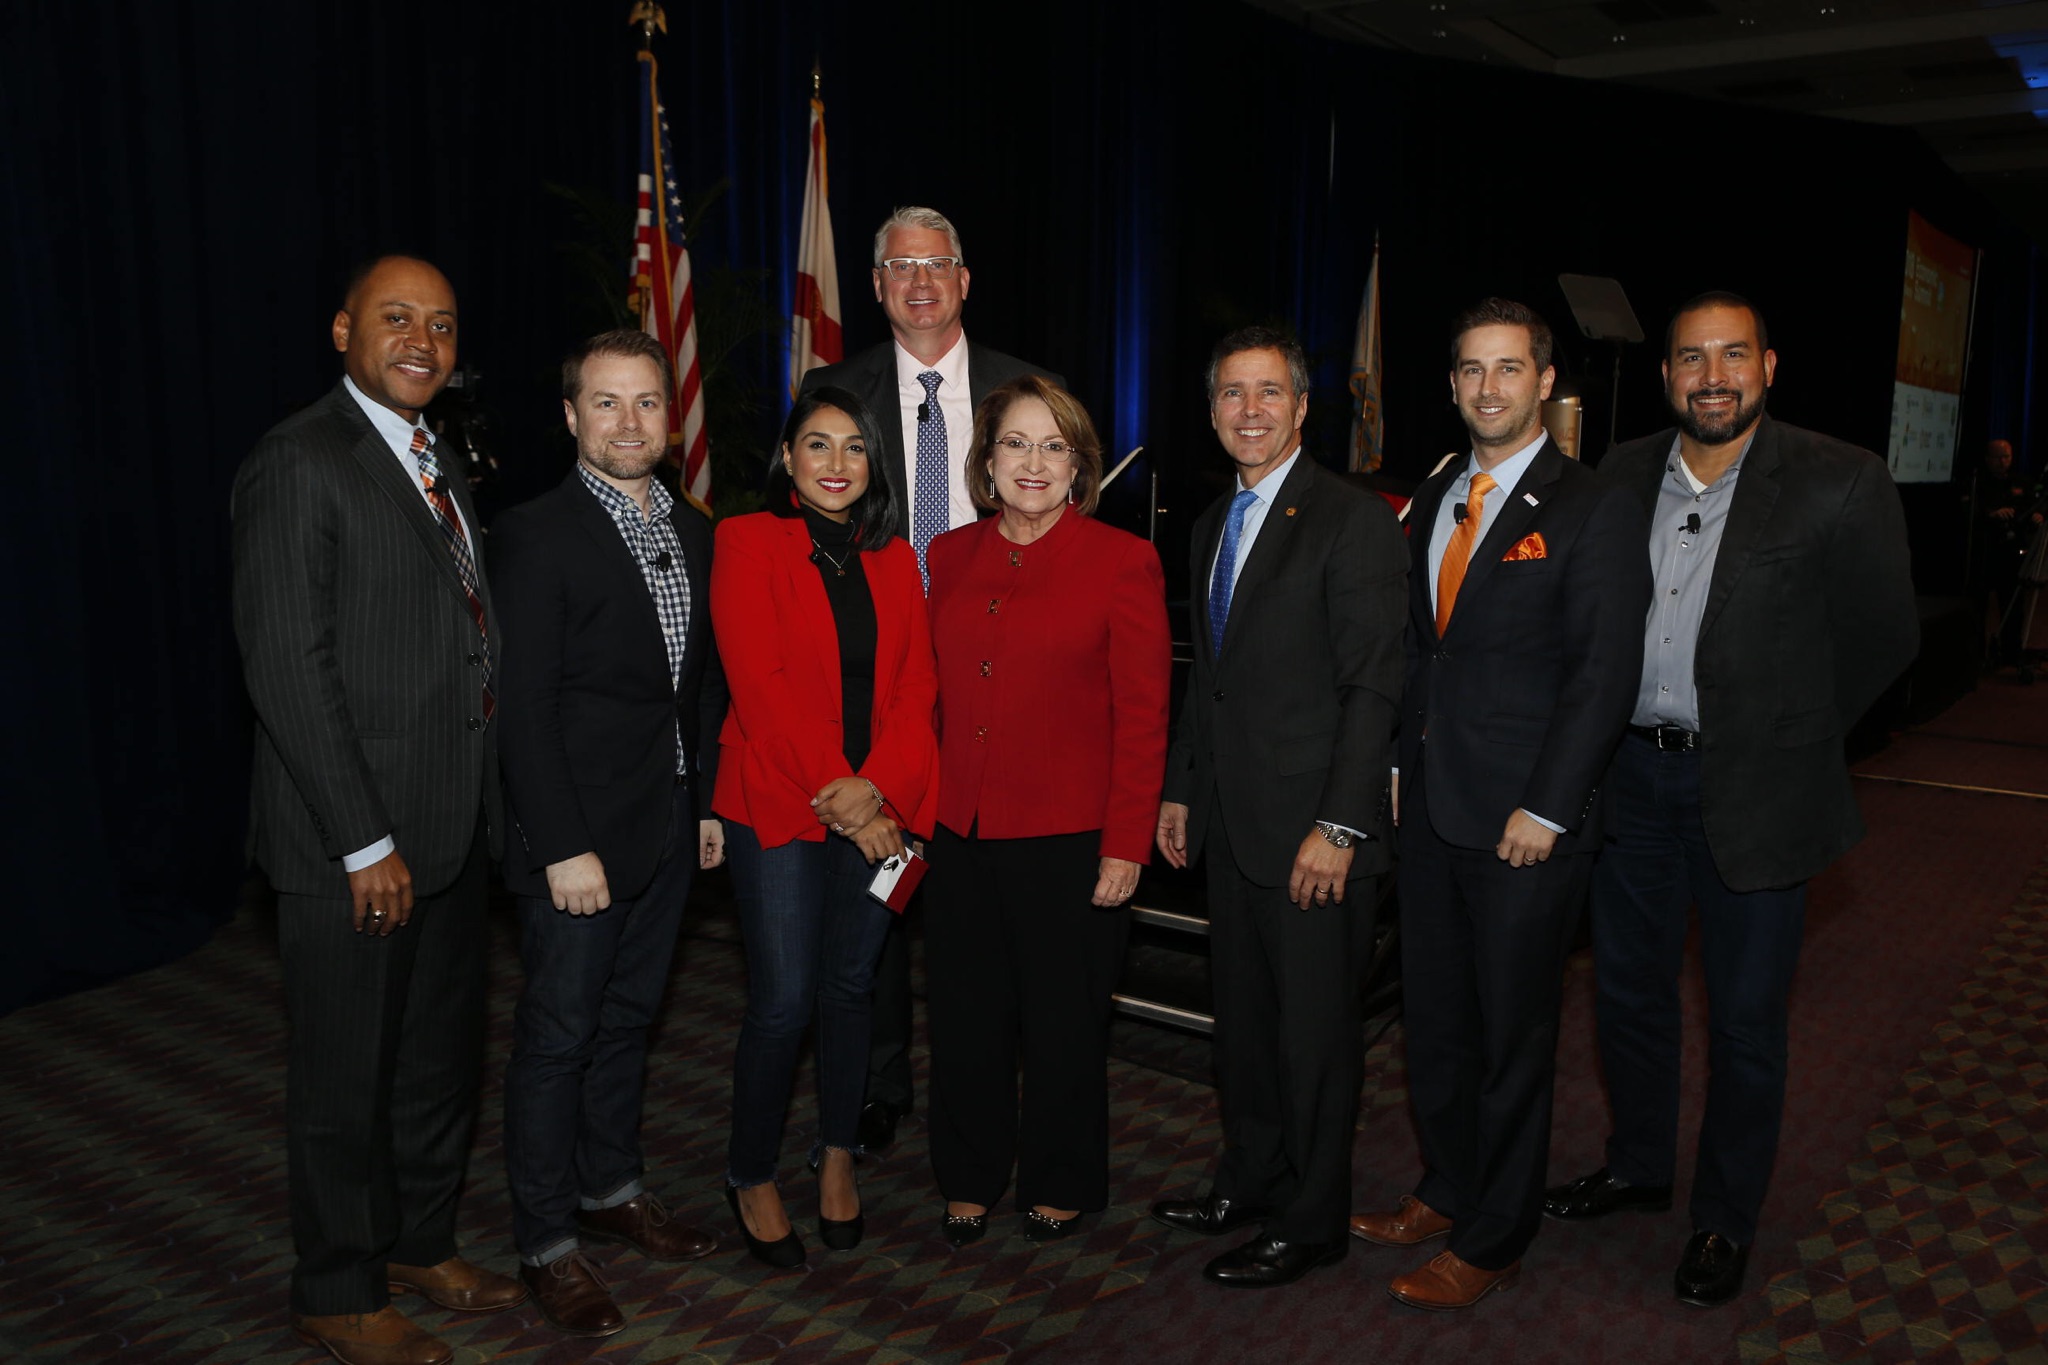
(365, 627)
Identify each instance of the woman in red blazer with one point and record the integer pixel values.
(1054, 655)
(828, 755)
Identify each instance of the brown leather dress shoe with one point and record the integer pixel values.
(1449, 1282)
(644, 1225)
(1411, 1222)
(385, 1337)
(572, 1297)
(457, 1285)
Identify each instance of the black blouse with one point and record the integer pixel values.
(853, 613)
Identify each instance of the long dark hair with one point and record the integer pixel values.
(876, 513)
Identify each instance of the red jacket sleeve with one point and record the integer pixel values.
(1140, 678)
(903, 757)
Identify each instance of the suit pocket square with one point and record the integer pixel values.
(1528, 547)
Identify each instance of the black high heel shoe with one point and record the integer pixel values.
(787, 1253)
(839, 1234)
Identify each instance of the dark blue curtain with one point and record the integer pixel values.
(186, 185)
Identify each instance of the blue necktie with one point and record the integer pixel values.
(931, 513)
(1226, 569)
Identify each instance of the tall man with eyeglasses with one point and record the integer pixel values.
(1784, 606)
(933, 378)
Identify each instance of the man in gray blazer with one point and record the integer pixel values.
(1278, 776)
(367, 635)
(924, 384)
(1783, 607)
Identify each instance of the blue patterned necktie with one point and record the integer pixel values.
(449, 522)
(1226, 569)
(931, 512)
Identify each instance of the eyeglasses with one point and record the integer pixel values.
(937, 267)
(1059, 452)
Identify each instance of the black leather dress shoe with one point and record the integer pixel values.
(877, 1128)
(1267, 1261)
(1599, 1194)
(1710, 1272)
(1211, 1217)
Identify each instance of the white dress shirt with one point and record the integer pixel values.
(956, 405)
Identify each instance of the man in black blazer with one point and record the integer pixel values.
(1278, 772)
(367, 637)
(923, 385)
(613, 699)
(1784, 606)
(1526, 588)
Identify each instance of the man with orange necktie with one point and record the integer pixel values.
(1527, 587)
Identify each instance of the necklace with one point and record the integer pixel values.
(838, 565)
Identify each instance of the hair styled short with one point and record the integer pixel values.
(621, 343)
(1067, 414)
(915, 216)
(876, 513)
(1499, 312)
(1716, 298)
(1259, 338)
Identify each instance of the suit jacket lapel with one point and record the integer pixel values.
(1274, 534)
(1206, 540)
(1756, 493)
(388, 474)
(807, 590)
(1508, 518)
(595, 521)
(1423, 512)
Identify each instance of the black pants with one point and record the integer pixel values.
(574, 1085)
(380, 1085)
(1655, 867)
(1483, 946)
(889, 1023)
(1289, 1053)
(1019, 969)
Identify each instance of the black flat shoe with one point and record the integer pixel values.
(1599, 1194)
(1710, 1272)
(786, 1253)
(963, 1228)
(1043, 1227)
(1211, 1217)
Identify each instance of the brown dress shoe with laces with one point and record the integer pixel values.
(644, 1225)
(1449, 1282)
(385, 1337)
(457, 1285)
(1411, 1222)
(572, 1297)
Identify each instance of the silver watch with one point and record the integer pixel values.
(1336, 834)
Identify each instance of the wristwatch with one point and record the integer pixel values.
(1336, 834)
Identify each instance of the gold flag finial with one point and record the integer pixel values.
(649, 16)
(817, 76)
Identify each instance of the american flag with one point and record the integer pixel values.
(661, 290)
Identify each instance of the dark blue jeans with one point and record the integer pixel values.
(1655, 866)
(579, 1045)
(813, 935)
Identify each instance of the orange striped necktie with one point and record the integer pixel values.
(1451, 573)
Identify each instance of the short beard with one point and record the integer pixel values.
(612, 465)
(1720, 431)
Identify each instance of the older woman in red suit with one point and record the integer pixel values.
(828, 756)
(1054, 655)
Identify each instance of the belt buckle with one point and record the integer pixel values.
(1673, 739)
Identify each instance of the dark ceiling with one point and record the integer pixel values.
(1972, 78)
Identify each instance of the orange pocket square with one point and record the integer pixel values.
(1528, 547)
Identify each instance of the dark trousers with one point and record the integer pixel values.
(812, 935)
(579, 1044)
(1019, 968)
(1483, 946)
(889, 1043)
(1657, 864)
(381, 1081)
(1289, 1054)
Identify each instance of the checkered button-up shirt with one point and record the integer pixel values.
(654, 545)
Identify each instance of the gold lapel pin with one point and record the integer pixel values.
(1290, 511)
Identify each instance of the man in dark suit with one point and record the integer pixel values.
(1526, 588)
(1278, 771)
(367, 633)
(613, 701)
(1784, 606)
(923, 385)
